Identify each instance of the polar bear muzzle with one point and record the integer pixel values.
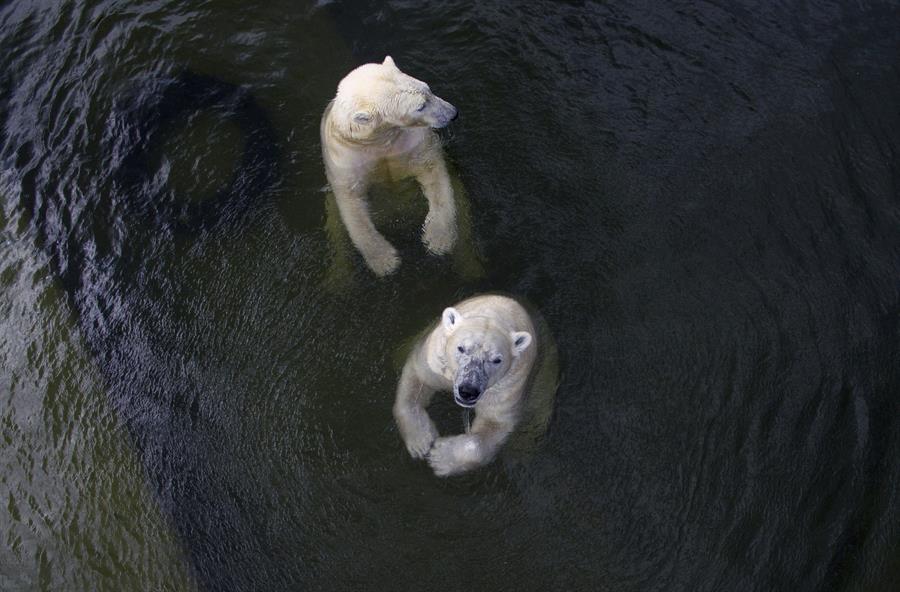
(437, 113)
(470, 383)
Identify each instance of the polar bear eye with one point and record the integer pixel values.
(422, 106)
(497, 360)
(460, 349)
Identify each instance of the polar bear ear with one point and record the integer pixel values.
(362, 117)
(521, 340)
(450, 319)
(389, 62)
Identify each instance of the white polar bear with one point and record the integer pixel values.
(483, 351)
(378, 126)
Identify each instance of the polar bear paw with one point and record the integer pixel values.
(453, 455)
(419, 443)
(439, 235)
(385, 262)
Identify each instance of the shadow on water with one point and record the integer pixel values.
(112, 291)
(252, 178)
(701, 200)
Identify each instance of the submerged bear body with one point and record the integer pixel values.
(379, 127)
(483, 351)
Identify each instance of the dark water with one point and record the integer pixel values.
(701, 199)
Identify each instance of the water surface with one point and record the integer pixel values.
(701, 199)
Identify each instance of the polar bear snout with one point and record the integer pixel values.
(467, 394)
(470, 383)
(442, 113)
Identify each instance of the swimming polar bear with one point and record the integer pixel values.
(483, 351)
(378, 126)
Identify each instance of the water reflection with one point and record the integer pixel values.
(699, 199)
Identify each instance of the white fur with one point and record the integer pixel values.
(380, 125)
(489, 326)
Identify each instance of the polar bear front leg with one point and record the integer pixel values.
(380, 255)
(439, 228)
(416, 428)
(457, 454)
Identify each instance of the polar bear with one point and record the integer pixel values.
(380, 126)
(483, 350)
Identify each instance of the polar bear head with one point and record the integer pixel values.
(478, 353)
(377, 98)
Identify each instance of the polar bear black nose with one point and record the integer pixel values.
(455, 114)
(469, 392)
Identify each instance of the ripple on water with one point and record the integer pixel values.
(699, 199)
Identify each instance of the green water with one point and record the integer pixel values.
(700, 200)
(76, 511)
